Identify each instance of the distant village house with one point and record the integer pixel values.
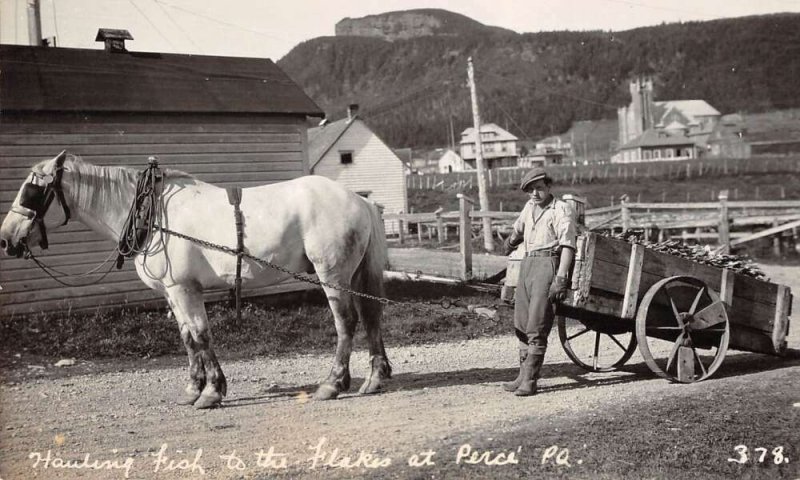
(499, 147)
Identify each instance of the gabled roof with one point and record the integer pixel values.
(657, 138)
(321, 139)
(84, 80)
(691, 108)
(468, 135)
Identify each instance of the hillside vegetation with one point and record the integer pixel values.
(537, 84)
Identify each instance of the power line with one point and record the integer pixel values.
(216, 20)
(152, 24)
(164, 10)
(508, 115)
(55, 19)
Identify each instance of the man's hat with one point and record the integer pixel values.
(536, 173)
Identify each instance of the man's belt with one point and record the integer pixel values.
(541, 253)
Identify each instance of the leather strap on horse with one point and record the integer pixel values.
(235, 199)
(143, 215)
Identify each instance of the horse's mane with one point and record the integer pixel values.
(91, 179)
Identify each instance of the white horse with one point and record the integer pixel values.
(310, 224)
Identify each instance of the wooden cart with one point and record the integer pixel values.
(682, 315)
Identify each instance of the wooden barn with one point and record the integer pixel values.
(349, 152)
(229, 121)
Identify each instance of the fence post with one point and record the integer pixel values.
(724, 226)
(400, 238)
(776, 240)
(439, 225)
(625, 212)
(465, 236)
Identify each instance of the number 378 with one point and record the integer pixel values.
(759, 455)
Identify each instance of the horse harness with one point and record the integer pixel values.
(146, 214)
(36, 199)
(145, 217)
(235, 199)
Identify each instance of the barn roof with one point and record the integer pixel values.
(83, 80)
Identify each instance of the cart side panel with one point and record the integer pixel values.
(757, 325)
(664, 265)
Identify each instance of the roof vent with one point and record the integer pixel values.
(114, 39)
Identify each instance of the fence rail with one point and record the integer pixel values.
(668, 220)
(576, 174)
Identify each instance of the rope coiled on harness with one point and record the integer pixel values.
(146, 212)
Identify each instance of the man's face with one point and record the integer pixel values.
(538, 191)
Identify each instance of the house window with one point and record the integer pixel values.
(668, 153)
(647, 154)
(656, 153)
(346, 157)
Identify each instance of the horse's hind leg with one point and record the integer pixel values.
(370, 313)
(344, 314)
(207, 383)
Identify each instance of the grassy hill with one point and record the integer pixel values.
(540, 83)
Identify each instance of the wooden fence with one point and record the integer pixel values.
(577, 174)
(728, 224)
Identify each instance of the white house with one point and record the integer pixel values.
(499, 147)
(348, 152)
(451, 162)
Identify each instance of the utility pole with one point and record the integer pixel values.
(34, 23)
(483, 194)
(452, 135)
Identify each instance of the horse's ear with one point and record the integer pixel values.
(61, 156)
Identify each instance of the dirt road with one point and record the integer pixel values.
(121, 422)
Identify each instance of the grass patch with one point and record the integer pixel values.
(298, 324)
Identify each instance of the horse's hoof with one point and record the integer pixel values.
(326, 391)
(370, 387)
(211, 400)
(187, 398)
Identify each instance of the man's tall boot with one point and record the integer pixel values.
(530, 371)
(514, 384)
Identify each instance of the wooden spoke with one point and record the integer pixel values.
(616, 341)
(709, 316)
(664, 328)
(675, 310)
(578, 334)
(697, 357)
(596, 348)
(697, 300)
(675, 347)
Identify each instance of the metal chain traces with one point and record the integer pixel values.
(301, 276)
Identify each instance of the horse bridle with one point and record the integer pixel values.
(36, 199)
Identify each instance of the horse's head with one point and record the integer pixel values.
(28, 220)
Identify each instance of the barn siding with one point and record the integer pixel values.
(223, 150)
(375, 168)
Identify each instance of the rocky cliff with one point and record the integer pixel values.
(408, 24)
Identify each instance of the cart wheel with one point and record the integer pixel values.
(682, 329)
(593, 350)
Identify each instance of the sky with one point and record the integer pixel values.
(270, 29)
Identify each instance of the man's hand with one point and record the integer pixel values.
(558, 290)
(510, 243)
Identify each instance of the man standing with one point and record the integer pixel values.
(547, 226)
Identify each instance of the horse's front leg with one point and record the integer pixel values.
(207, 384)
(344, 314)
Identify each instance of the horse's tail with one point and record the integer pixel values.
(369, 280)
(376, 257)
